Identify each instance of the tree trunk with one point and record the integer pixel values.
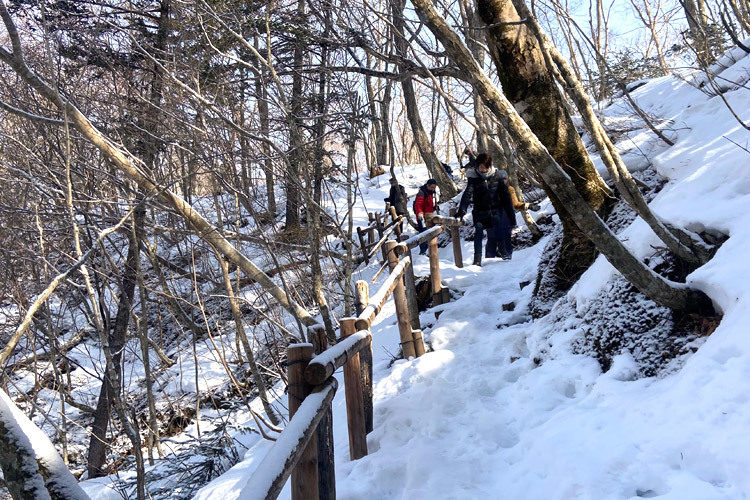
(694, 253)
(664, 292)
(265, 131)
(112, 376)
(314, 207)
(32, 471)
(296, 141)
(448, 188)
(529, 85)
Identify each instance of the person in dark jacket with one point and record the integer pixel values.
(502, 230)
(448, 170)
(492, 208)
(472, 163)
(424, 208)
(397, 198)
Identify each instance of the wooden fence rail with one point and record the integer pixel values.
(304, 450)
(268, 479)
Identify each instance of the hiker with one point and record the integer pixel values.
(448, 170)
(397, 199)
(502, 232)
(518, 204)
(424, 208)
(472, 159)
(492, 209)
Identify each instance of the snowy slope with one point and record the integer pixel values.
(503, 409)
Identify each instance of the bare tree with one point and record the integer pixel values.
(662, 291)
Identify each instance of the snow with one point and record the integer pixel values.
(503, 408)
(37, 445)
(328, 357)
(273, 463)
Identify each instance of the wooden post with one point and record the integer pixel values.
(402, 309)
(445, 295)
(418, 342)
(394, 217)
(362, 296)
(435, 272)
(370, 229)
(363, 244)
(456, 239)
(410, 287)
(326, 464)
(379, 227)
(355, 413)
(305, 474)
(361, 301)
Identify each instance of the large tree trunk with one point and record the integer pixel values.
(675, 296)
(693, 252)
(529, 85)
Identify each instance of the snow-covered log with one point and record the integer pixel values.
(32, 468)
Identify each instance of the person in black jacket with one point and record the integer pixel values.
(397, 198)
(492, 211)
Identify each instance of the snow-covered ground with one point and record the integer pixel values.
(502, 408)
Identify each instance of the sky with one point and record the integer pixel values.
(502, 407)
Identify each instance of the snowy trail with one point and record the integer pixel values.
(444, 422)
(479, 418)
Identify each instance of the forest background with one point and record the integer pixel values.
(172, 171)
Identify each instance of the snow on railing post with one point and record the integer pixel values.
(305, 474)
(402, 309)
(362, 299)
(355, 413)
(326, 468)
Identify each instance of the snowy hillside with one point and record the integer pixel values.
(508, 408)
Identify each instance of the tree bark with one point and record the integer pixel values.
(448, 188)
(529, 85)
(675, 296)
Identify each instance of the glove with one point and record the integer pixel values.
(460, 214)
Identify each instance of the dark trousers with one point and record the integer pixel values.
(421, 228)
(498, 237)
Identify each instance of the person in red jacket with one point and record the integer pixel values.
(424, 207)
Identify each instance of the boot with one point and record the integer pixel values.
(478, 259)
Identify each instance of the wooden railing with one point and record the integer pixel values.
(367, 241)
(304, 450)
